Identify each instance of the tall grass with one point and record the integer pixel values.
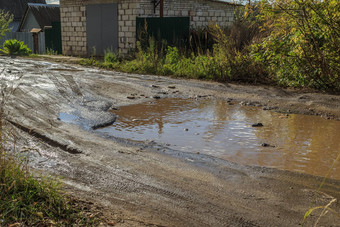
(325, 209)
(29, 200)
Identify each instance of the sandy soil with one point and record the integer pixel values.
(137, 184)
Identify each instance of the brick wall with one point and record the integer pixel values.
(73, 27)
(73, 19)
(127, 13)
(201, 12)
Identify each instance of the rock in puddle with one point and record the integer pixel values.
(257, 125)
(266, 145)
(156, 97)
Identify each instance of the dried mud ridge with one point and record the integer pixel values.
(143, 183)
(45, 139)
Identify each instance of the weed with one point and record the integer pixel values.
(51, 52)
(31, 201)
(326, 208)
(110, 56)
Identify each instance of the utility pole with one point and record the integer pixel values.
(161, 8)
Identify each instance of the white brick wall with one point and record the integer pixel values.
(73, 20)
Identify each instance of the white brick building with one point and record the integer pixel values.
(102, 23)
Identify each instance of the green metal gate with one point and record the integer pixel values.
(174, 30)
(53, 38)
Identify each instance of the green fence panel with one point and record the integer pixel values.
(174, 30)
(53, 38)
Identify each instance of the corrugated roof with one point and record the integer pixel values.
(226, 2)
(45, 14)
(17, 7)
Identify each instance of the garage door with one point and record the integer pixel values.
(101, 28)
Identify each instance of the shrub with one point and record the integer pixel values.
(110, 56)
(303, 45)
(15, 47)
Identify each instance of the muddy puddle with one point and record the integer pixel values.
(307, 144)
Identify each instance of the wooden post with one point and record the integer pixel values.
(161, 13)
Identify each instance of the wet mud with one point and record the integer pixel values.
(184, 181)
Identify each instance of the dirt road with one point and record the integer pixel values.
(138, 184)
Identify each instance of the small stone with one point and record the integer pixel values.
(134, 120)
(197, 152)
(131, 97)
(266, 145)
(186, 129)
(156, 97)
(172, 87)
(257, 125)
(155, 86)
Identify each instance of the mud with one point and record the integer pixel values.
(143, 183)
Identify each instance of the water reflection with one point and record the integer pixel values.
(302, 143)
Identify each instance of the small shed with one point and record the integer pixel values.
(39, 16)
(17, 8)
(46, 19)
(93, 26)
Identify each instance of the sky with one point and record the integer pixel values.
(52, 1)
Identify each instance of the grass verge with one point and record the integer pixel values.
(27, 200)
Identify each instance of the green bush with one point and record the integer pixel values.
(15, 47)
(303, 45)
(110, 56)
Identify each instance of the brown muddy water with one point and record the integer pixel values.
(307, 144)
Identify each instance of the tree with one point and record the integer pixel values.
(304, 42)
(5, 19)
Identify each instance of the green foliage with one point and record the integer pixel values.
(5, 19)
(303, 45)
(15, 47)
(51, 52)
(110, 56)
